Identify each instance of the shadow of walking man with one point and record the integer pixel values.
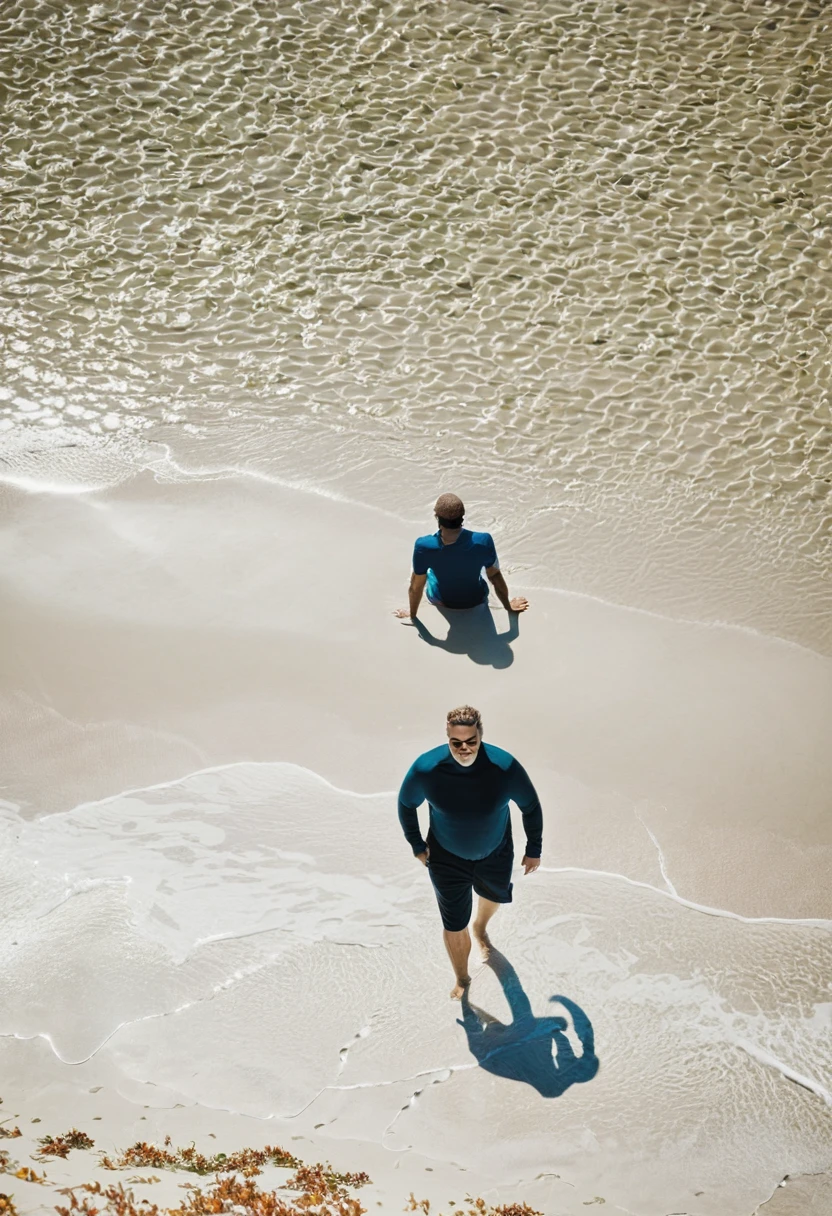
(473, 631)
(537, 1051)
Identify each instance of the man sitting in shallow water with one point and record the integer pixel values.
(468, 785)
(451, 561)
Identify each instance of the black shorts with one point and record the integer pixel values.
(454, 878)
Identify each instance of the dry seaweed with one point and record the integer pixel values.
(501, 1209)
(29, 1175)
(114, 1200)
(480, 1208)
(7, 1166)
(246, 1161)
(60, 1146)
(7, 1207)
(319, 1194)
(10, 1133)
(320, 1197)
(320, 1177)
(319, 1189)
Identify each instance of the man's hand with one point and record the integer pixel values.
(423, 857)
(530, 864)
(414, 596)
(495, 577)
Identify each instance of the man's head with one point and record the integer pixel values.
(464, 734)
(449, 511)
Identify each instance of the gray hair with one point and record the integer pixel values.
(465, 715)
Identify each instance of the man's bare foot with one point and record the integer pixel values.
(483, 941)
(459, 987)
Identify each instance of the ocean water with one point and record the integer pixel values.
(572, 259)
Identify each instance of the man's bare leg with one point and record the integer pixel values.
(485, 910)
(458, 945)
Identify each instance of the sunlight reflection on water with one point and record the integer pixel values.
(579, 248)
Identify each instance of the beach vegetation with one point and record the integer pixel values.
(310, 1190)
(246, 1161)
(29, 1175)
(14, 1170)
(60, 1146)
(319, 1195)
(96, 1199)
(477, 1207)
(320, 1178)
(10, 1133)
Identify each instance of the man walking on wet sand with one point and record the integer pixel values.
(451, 561)
(468, 785)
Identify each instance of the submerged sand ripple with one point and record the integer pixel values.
(589, 245)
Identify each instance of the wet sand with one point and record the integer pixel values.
(156, 630)
(225, 653)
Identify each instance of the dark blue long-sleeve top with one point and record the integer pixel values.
(469, 811)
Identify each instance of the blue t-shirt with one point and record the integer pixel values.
(469, 812)
(455, 571)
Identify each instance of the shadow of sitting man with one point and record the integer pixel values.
(473, 631)
(536, 1051)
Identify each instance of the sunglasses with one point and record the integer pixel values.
(464, 742)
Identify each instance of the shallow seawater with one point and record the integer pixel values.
(572, 258)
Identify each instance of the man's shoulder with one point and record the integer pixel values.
(431, 541)
(496, 755)
(429, 760)
(485, 539)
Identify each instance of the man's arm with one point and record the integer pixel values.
(525, 795)
(411, 797)
(417, 586)
(495, 577)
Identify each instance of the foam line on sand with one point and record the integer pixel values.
(220, 768)
(669, 892)
(765, 1057)
(813, 922)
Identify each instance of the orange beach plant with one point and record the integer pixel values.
(312, 1190)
